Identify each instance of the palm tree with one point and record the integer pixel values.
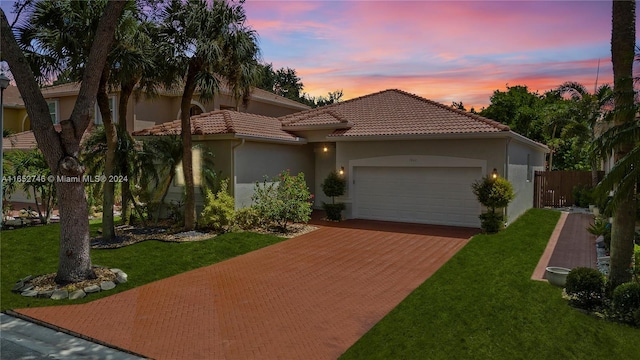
(588, 111)
(54, 27)
(622, 143)
(61, 149)
(209, 41)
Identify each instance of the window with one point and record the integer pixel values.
(529, 168)
(54, 111)
(112, 107)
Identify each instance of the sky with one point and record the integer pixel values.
(442, 50)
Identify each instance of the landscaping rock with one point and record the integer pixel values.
(26, 287)
(19, 285)
(45, 294)
(27, 278)
(92, 289)
(78, 294)
(60, 295)
(30, 293)
(121, 277)
(107, 285)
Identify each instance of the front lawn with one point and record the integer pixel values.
(34, 251)
(482, 304)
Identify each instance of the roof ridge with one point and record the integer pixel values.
(329, 107)
(487, 121)
(228, 121)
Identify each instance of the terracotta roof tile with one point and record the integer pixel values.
(225, 122)
(395, 112)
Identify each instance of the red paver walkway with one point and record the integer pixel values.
(310, 297)
(570, 245)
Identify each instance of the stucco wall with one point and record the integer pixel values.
(325, 163)
(255, 160)
(524, 160)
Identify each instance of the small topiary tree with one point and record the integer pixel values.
(334, 185)
(493, 194)
(219, 209)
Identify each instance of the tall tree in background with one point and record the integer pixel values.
(586, 112)
(61, 149)
(207, 45)
(623, 36)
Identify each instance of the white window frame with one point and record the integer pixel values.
(113, 104)
(56, 115)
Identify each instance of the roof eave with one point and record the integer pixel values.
(317, 127)
(444, 136)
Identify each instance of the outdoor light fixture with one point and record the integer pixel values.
(341, 172)
(494, 174)
(4, 83)
(325, 148)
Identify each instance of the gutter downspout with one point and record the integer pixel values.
(233, 170)
(506, 176)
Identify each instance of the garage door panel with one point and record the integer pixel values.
(431, 195)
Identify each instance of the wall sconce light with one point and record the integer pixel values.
(494, 174)
(341, 172)
(325, 148)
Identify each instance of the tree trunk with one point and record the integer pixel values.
(187, 160)
(126, 89)
(622, 56)
(61, 149)
(108, 195)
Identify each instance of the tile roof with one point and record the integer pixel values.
(395, 112)
(12, 98)
(21, 141)
(26, 140)
(314, 118)
(226, 122)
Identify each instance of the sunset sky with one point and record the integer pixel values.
(442, 50)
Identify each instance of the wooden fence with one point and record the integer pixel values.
(555, 188)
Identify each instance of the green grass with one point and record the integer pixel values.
(34, 251)
(483, 305)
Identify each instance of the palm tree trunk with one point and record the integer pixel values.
(187, 160)
(108, 226)
(622, 56)
(126, 89)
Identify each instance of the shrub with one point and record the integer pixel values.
(334, 185)
(582, 196)
(219, 209)
(491, 222)
(285, 200)
(493, 193)
(334, 211)
(247, 218)
(585, 286)
(626, 302)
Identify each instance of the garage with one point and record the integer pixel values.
(429, 195)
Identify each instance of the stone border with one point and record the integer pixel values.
(25, 288)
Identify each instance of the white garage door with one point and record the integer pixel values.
(429, 195)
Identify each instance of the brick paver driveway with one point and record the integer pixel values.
(310, 297)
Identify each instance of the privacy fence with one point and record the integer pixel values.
(555, 188)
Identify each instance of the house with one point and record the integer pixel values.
(405, 158)
(144, 111)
